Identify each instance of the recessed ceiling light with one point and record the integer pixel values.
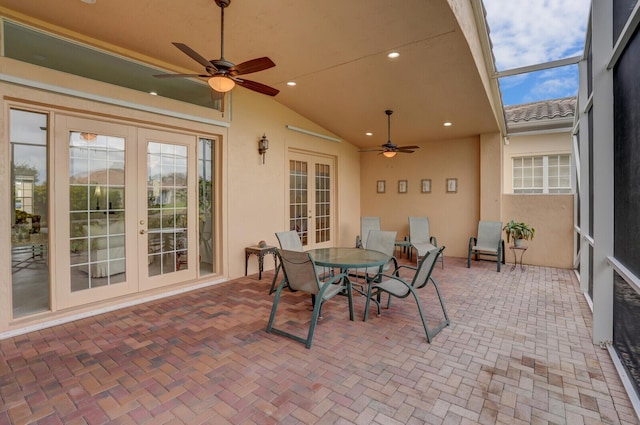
(291, 83)
(152, 93)
(447, 124)
(393, 55)
(368, 133)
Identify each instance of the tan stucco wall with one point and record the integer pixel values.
(257, 194)
(490, 176)
(453, 216)
(252, 199)
(552, 217)
(530, 145)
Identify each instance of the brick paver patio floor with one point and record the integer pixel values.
(518, 351)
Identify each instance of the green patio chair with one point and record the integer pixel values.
(366, 224)
(421, 239)
(489, 242)
(382, 241)
(289, 240)
(300, 274)
(396, 286)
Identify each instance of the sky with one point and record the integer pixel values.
(528, 32)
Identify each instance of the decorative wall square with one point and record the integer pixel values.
(402, 186)
(452, 185)
(425, 186)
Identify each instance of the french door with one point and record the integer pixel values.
(167, 205)
(311, 198)
(126, 211)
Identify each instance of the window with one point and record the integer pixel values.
(542, 174)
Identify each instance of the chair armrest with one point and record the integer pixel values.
(358, 242)
(472, 242)
(334, 278)
(433, 241)
(404, 266)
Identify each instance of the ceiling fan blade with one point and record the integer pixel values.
(181, 75)
(408, 147)
(405, 151)
(194, 55)
(254, 65)
(259, 87)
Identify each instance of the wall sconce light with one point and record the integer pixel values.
(263, 145)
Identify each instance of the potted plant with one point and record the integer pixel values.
(518, 231)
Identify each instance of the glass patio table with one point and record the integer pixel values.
(347, 259)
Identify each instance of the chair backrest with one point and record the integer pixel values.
(489, 233)
(425, 267)
(289, 240)
(419, 230)
(299, 271)
(367, 224)
(381, 240)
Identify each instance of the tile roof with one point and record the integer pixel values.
(542, 110)
(545, 113)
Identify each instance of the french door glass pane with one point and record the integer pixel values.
(167, 195)
(29, 213)
(323, 216)
(298, 199)
(205, 205)
(96, 210)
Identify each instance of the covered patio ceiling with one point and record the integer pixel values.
(335, 51)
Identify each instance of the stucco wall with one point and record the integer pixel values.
(252, 200)
(532, 145)
(552, 217)
(453, 216)
(257, 194)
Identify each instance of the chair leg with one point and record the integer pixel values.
(434, 332)
(469, 259)
(444, 309)
(276, 300)
(424, 321)
(314, 320)
(275, 279)
(369, 296)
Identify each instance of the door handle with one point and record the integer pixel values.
(142, 231)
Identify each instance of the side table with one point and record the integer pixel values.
(260, 253)
(404, 247)
(515, 250)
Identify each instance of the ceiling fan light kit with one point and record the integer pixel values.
(221, 83)
(222, 74)
(389, 150)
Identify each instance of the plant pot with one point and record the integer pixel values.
(518, 242)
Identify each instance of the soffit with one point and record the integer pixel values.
(335, 51)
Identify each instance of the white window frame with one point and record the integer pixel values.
(534, 190)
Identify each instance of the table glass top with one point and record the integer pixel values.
(348, 257)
